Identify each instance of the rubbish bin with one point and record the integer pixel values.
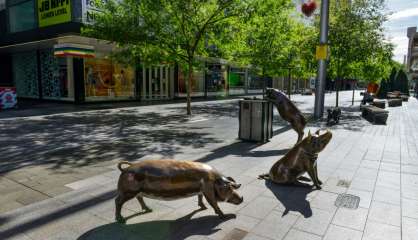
(255, 120)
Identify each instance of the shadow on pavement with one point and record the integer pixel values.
(293, 198)
(53, 216)
(181, 228)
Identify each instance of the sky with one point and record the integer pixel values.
(404, 14)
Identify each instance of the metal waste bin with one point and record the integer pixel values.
(255, 120)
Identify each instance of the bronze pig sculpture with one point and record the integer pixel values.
(300, 159)
(287, 110)
(174, 179)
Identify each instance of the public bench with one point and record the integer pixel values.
(379, 103)
(396, 102)
(374, 114)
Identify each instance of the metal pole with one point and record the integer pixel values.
(322, 66)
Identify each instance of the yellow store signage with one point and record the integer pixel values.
(51, 12)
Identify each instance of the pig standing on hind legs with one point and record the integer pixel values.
(287, 110)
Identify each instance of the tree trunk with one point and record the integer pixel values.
(337, 86)
(189, 88)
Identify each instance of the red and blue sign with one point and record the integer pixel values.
(8, 98)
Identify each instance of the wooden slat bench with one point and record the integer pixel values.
(374, 114)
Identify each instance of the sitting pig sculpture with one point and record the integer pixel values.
(172, 179)
(300, 159)
(287, 110)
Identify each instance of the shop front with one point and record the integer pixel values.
(237, 80)
(216, 79)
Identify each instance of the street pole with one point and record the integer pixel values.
(322, 66)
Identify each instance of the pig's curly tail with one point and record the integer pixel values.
(123, 163)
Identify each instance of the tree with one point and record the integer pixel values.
(158, 31)
(402, 82)
(357, 39)
(383, 89)
(392, 79)
(269, 40)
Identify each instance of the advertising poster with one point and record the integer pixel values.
(90, 10)
(51, 12)
(7, 97)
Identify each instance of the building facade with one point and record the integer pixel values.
(44, 56)
(412, 57)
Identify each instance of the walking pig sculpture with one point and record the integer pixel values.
(287, 110)
(300, 159)
(174, 179)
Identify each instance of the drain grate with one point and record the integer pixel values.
(343, 183)
(347, 201)
(235, 234)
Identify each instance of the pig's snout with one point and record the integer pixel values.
(236, 199)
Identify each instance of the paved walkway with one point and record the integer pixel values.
(377, 163)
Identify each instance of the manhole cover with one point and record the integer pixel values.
(235, 234)
(347, 201)
(343, 183)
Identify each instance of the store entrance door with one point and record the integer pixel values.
(157, 82)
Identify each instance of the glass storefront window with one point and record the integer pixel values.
(106, 80)
(22, 17)
(236, 78)
(215, 77)
(2, 4)
(198, 85)
(25, 74)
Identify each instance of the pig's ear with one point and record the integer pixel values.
(317, 132)
(309, 136)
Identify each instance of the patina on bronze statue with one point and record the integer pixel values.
(300, 159)
(174, 179)
(287, 110)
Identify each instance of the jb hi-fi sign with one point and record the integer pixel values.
(51, 12)
(90, 10)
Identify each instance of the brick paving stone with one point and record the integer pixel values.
(299, 235)
(409, 229)
(316, 224)
(342, 233)
(385, 213)
(381, 231)
(387, 195)
(409, 208)
(275, 225)
(351, 218)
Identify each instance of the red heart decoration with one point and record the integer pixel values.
(308, 8)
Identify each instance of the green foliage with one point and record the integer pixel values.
(383, 89)
(358, 46)
(392, 80)
(165, 31)
(402, 82)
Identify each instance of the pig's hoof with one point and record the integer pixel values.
(320, 182)
(147, 210)
(318, 187)
(120, 219)
(202, 207)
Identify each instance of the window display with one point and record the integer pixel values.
(215, 78)
(105, 79)
(197, 82)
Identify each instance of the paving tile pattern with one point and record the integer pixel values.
(377, 163)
